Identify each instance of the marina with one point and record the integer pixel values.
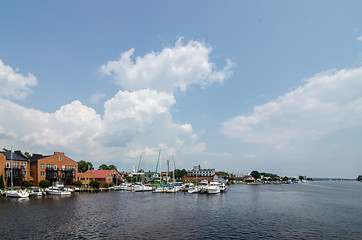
(315, 210)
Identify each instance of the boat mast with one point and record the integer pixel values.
(154, 179)
(11, 167)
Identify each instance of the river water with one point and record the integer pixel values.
(314, 210)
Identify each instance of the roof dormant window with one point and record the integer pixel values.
(59, 159)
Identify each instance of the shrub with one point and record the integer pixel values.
(94, 184)
(27, 184)
(44, 183)
(2, 185)
(78, 183)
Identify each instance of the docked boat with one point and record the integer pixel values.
(58, 189)
(193, 189)
(16, 193)
(139, 187)
(213, 187)
(159, 189)
(223, 187)
(203, 185)
(35, 191)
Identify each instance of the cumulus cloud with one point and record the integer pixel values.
(327, 102)
(138, 119)
(172, 69)
(13, 84)
(72, 125)
(359, 38)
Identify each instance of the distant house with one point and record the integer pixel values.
(102, 176)
(197, 174)
(249, 179)
(55, 168)
(20, 170)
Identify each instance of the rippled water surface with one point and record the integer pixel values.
(315, 210)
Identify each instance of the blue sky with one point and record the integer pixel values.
(235, 85)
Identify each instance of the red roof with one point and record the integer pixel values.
(100, 173)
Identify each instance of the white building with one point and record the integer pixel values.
(197, 171)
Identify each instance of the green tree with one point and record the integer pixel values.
(301, 178)
(44, 183)
(103, 167)
(84, 166)
(78, 183)
(106, 185)
(128, 178)
(112, 167)
(359, 178)
(27, 154)
(26, 183)
(94, 184)
(2, 185)
(179, 174)
(6, 150)
(255, 174)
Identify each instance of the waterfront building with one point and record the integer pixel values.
(198, 174)
(55, 168)
(102, 176)
(16, 162)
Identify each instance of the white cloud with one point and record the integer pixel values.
(137, 120)
(170, 70)
(14, 85)
(359, 38)
(328, 102)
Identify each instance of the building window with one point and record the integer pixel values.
(8, 164)
(15, 164)
(73, 175)
(55, 166)
(42, 174)
(59, 159)
(42, 165)
(73, 168)
(68, 167)
(82, 178)
(23, 164)
(49, 165)
(55, 174)
(24, 173)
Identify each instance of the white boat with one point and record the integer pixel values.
(57, 192)
(159, 190)
(223, 187)
(203, 185)
(16, 193)
(171, 189)
(58, 189)
(213, 187)
(35, 191)
(141, 188)
(193, 189)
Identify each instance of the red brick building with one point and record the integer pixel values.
(16, 165)
(55, 168)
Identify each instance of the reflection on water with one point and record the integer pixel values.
(317, 210)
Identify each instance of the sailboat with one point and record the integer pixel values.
(14, 193)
